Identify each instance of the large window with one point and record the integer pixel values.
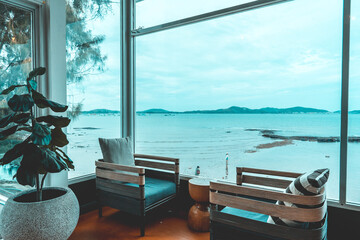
(262, 86)
(93, 79)
(16, 61)
(353, 188)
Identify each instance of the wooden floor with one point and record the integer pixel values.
(121, 226)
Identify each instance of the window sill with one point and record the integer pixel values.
(82, 178)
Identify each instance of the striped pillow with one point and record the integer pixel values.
(308, 184)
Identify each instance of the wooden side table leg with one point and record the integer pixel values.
(199, 217)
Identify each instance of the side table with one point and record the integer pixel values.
(199, 213)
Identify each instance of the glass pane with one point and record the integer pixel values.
(273, 72)
(16, 61)
(154, 12)
(353, 188)
(93, 80)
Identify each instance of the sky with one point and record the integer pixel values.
(281, 56)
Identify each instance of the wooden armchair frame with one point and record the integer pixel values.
(252, 193)
(111, 190)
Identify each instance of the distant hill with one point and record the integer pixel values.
(350, 112)
(155, 110)
(99, 111)
(244, 110)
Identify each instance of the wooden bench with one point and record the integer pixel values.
(243, 208)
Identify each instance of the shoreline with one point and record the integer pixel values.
(269, 133)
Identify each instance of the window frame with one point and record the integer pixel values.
(38, 31)
(129, 80)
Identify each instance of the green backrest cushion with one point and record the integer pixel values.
(117, 150)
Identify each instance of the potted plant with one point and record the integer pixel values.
(40, 213)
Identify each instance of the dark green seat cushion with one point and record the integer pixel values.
(156, 189)
(245, 214)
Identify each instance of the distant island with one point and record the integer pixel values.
(101, 111)
(230, 110)
(242, 110)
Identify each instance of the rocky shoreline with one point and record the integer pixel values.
(268, 133)
(270, 145)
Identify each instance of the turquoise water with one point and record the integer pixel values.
(204, 139)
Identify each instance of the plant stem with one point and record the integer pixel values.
(38, 190)
(42, 181)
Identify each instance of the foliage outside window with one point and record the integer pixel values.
(16, 61)
(93, 78)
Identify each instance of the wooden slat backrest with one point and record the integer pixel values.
(157, 165)
(157, 162)
(159, 158)
(268, 172)
(261, 177)
(291, 213)
(263, 181)
(268, 194)
(108, 174)
(111, 171)
(113, 166)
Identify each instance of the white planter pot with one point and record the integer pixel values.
(53, 218)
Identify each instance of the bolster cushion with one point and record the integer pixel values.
(308, 184)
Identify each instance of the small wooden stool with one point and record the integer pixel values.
(199, 214)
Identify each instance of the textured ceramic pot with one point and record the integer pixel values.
(53, 218)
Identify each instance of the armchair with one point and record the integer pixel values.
(153, 181)
(243, 209)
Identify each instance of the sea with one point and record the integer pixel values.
(206, 140)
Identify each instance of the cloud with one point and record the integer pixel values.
(284, 55)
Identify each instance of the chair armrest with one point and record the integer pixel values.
(157, 162)
(111, 171)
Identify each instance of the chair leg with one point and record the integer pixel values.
(100, 211)
(142, 226)
(212, 236)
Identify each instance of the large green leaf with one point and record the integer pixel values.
(55, 120)
(32, 158)
(14, 153)
(22, 118)
(41, 134)
(6, 120)
(42, 102)
(65, 157)
(11, 88)
(41, 129)
(36, 72)
(4, 134)
(25, 177)
(51, 162)
(7, 132)
(58, 138)
(33, 84)
(21, 103)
